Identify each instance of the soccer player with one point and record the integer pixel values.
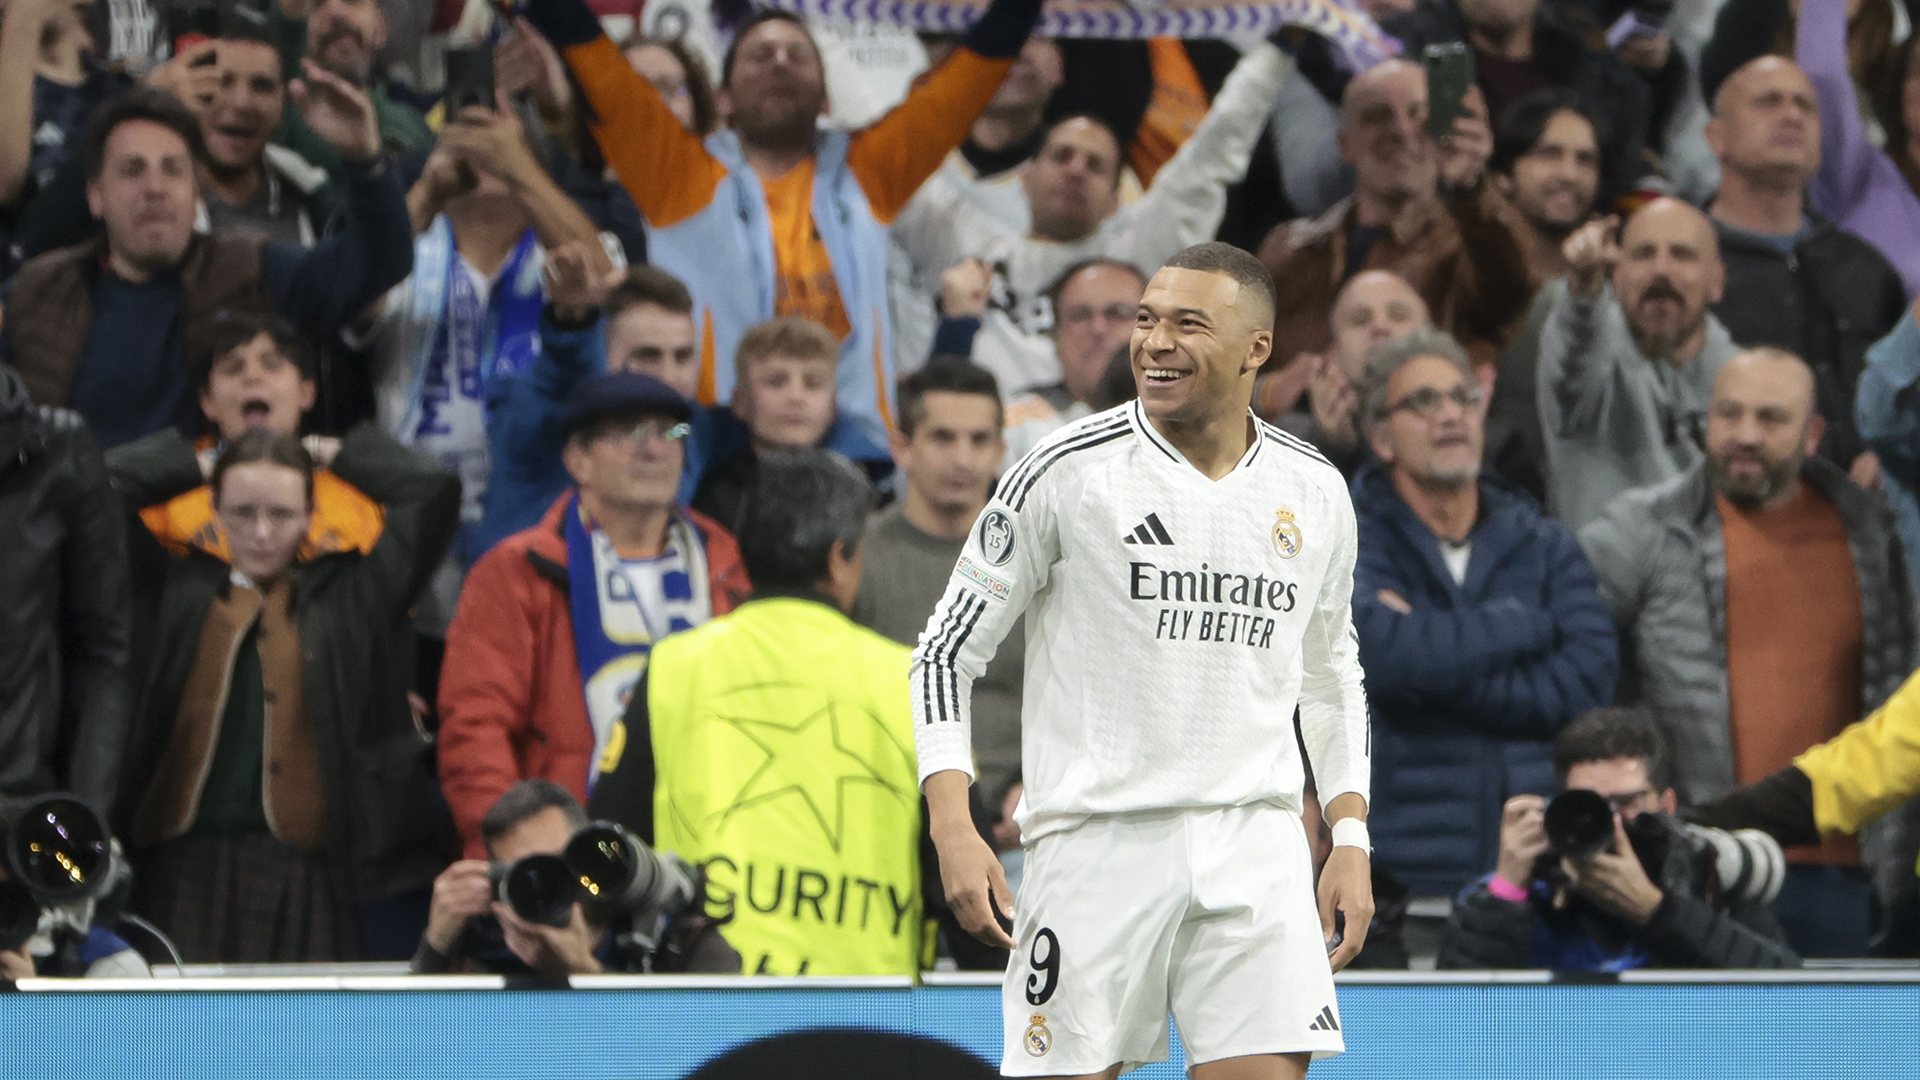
(1186, 573)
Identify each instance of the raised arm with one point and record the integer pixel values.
(21, 22)
(666, 169)
(422, 504)
(896, 155)
(1576, 373)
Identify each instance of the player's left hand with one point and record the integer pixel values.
(1346, 886)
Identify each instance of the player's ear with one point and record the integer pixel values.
(1259, 351)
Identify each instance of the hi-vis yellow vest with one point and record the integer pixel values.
(784, 764)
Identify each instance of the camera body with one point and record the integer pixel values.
(1716, 865)
(618, 881)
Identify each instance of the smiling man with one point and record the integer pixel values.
(246, 180)
(1185, 571)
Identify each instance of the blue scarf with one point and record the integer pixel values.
(611, 637)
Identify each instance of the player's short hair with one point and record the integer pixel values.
(802, 503)
(1388, 357)
(1215, 257)
(788, 335)
(1609, 733)
(947, 375)
(647, 284)
(522, 801)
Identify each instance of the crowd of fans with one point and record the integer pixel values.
(426, 429)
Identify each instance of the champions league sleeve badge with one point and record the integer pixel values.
(996, 537)
(1038, 1039)
(1287, 540)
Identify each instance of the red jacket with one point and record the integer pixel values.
(511, 703)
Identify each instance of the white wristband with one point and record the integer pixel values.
(1352, 832)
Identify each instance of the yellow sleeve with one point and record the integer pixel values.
(662, 165)
(895, 156)
(1869, 769)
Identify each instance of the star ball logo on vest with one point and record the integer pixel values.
(1257, 593)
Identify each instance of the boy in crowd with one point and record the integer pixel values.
(784, 375)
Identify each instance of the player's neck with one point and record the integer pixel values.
(1213, 445)
(1449, 510)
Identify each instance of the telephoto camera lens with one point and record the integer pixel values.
(59, 848)
(19, 915)
(618, 874)
(1748, 862)
(540, 889)
(1579, 824)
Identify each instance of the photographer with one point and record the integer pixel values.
(470, 928)
(1605, 912)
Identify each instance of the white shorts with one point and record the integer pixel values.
(1207, 914)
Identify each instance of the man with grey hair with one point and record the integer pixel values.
(1480, 626)
(1764, 605)
(1628, 355)
(781, 738)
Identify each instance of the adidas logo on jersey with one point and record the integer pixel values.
(1325, 1021)
(1149, 531)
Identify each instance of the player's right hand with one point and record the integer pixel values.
(975, 884)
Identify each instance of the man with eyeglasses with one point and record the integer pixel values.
(1628, 354)
(1094, 304)
(557, 623)
(1604, 913)
(1481, 628)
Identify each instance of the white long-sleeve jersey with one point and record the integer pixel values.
(1173, 623)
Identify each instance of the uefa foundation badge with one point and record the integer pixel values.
(1287, 540)
(1038, 1040)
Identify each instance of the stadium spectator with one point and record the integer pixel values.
(1603, 913)
(65, 630)
(1698, 570)
(1889, 418)
(1546, 161)
(1628, 356)
(1525, 45)
(638, 319)
(1420, 209)
(1795, 280)
(1072, 191)
(1479, 623)
(986, 171)
(68, 943)
(611, 570)
(50, 81)
(107, 327)
(247, 180)
(485, 212)
(1372, 307)
(776, 743)
(278, 799)
(344, 37)
(468, 928)
(784, 395)
(680, 78)
(775, 166)
(949, 447)
(1858, 186)
(1094, 302)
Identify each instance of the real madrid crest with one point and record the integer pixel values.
(1287, 540)
(1038, 1040)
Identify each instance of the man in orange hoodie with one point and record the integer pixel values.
(557, 622)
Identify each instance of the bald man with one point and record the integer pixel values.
(1463, 252)
(1794, 279)
(1628, 355)
(1374, 306)
(1801, 623)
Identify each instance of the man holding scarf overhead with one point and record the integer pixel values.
(557, 623)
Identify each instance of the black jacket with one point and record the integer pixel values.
(64, 620)
(1620, 98)
(387, 829)
(1486, 932)
(1828, 302)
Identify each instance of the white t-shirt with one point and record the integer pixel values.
(1173, 623)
